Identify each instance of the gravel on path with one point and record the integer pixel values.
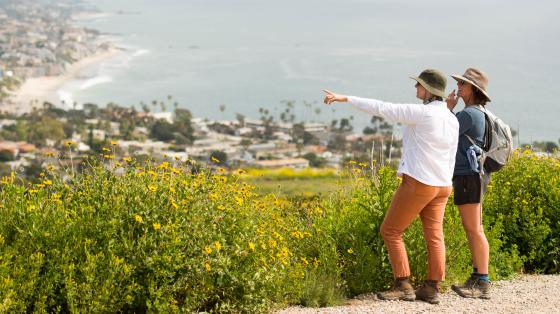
(525, 294)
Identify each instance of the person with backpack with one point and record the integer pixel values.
(470, 179)
(430, 140)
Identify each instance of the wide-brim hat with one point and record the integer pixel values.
(433, 81)
(476, 78)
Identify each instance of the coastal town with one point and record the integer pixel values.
(38, 40)
(29, 141)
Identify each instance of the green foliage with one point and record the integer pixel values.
(7, 155)
(126, 236)
(218, 157)
(525, 198)
(163, 131)
(38, 126)
(354, 218)
(150, 238)
(183, 126)
(314, 160)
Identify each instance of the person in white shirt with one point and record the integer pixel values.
(430, 140)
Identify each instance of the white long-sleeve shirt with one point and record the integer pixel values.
(430, 137)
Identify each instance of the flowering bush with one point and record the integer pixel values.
(353, 218)
(525, 198)
(124, 236)
(141, 238)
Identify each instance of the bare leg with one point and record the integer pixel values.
(478, 244)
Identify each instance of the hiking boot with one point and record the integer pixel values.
(476, 289)
(402, 290)
(467, 285)
(429, 292)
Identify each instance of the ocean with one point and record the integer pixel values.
(222, 57)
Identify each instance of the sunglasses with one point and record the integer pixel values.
(461, 82)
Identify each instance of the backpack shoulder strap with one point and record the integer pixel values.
(487, 128)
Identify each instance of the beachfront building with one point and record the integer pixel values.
(296, 163)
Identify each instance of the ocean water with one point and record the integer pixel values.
(249, 54)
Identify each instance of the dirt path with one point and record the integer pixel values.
(526, 294)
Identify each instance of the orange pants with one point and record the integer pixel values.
(414, 198)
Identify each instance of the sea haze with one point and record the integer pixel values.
(247, 54)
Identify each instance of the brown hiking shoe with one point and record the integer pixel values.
(467, 285)
(475, 289)
(429, 292)
(402, 290)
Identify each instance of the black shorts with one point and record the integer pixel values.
(466, 189)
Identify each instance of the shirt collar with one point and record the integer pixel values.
(437, 103)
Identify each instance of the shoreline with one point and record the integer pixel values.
(35, 91)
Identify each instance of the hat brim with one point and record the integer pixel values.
(430, 89)
(458, 78)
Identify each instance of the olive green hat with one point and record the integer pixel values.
(476, 78)
(433, 81)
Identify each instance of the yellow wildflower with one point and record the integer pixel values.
(47, 182)
(350, 251)
(207, 266)
(138, 218)
(156, 226)
(105, 149)
(207, 250)
(127, 159)
(238, 200)
(218, 245)
(252, 246)
(152, 188)
(164, 165)
(113, 143)
(272, 243)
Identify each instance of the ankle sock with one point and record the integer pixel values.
(483, 277)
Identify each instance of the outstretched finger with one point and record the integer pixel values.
(328, 92)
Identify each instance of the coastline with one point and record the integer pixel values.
(35, 91)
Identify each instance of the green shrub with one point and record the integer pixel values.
(143, 237)
(525, 198)
(147, 238)
(354, 218)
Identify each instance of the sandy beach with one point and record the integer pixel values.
(35, 91)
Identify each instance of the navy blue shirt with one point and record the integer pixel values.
(471, 123)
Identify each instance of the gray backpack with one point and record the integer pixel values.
(498, 142)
